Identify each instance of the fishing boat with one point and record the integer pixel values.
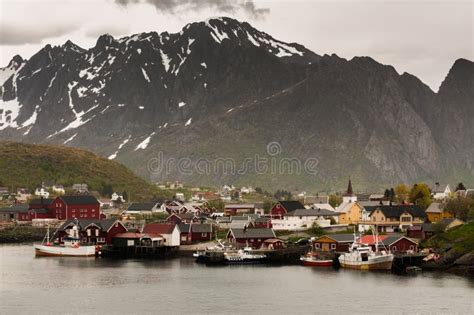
(72, 246)
(244, 256)
(362, 257)
(314, 259)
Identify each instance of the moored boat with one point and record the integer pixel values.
(244, 256)
(72, 246)
(313, 259)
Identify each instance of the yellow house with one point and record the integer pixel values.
(436, 213)
(395, 218)
(350, 213)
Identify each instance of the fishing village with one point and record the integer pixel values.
(356, 231)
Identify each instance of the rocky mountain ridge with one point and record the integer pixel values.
(222, 89)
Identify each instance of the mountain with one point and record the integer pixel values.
(221, 94)
(28, 165)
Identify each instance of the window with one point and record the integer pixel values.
(97, 232)
(412, 247)
(316, 245)
(333, 246)
(101, 240)
(204, 234)
(394, 248)
(88, 232)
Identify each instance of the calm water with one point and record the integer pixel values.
(177, 286)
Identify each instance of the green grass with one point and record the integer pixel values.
(462, 238)
(27, 165)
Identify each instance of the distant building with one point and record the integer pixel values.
(335, 242)
(93, 231)
(303, 219)
(395, 218)
(115, 197)
(80, 207)
(349, 196)
(251, 237)
(80, 188)
(440, 191)
(42, 192)
(23, 194)
(170, 233)
(436, 213)
(235, 209)
(283, 207)
(59, 189)
(144, 208)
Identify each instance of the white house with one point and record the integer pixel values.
(146, 208)
(326, 206)
(303, 219)
(440, 192)
(22, 194)
(59, 189)
(42, 192)
(170, 233)
(180, 196)
(115, 196)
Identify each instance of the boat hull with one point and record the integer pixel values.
(316, 263)
(82, 251)
(381, 264)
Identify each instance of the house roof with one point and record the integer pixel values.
(428, 227)
(291, 205)
(40, 210)
(79, 200)
(326, 206)
(196, 228)
(395, 211)
(370, 239)
(10, 209)
(41, 201)
(240, 206)
(252, 233)
(146, 206)
(448, 221)
(343, 238)
(21, 207)
(104, 224)
(389, 240)
(129, 235)
(439, 188)
(435, 207)
(344, 207)
(158, 228)
(311, 212)
(240, 218)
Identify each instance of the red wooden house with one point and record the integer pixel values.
(251, 237)
(16, 212)
(335, 242)
(177, 218)
(93, 231)
(283, 207)
(41, 203)
(262, 222)
(399, 244)
(195, 233)
(79, 207)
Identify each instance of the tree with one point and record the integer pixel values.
(217, 204)
(460, 186)
(420, 195)
(402, 192)
(125, 196)
(392, 195)
(258, 190)
(267, 205)
(316, 230)
(460, 208)
(335, 200)
(386, 194)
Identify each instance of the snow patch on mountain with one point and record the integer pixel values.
(30, 121)
(166, 60)
(9, 111)
(70, 139)
(181, 104)
(144, 144)
(188, 122)
(145, 75)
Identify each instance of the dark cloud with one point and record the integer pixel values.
(225, 6)
(34, 34)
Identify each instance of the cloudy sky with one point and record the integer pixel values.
(416, 36)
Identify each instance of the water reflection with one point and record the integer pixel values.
(182, 286)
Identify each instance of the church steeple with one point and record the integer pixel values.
(349, 192)
(349, 196)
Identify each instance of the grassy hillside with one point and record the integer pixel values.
(27, 165)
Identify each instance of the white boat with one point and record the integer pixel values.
(72, 246)
(362, 257)
(244, 256)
